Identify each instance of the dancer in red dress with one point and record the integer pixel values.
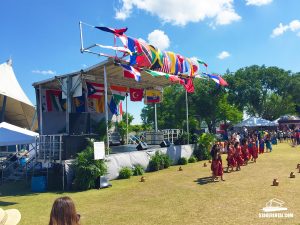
(254, 149)
(216, 165)
(238, 156)
(245, 151)
(231, 163)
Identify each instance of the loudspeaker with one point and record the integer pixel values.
(142, 146)
(79, 123)
(165, 143)
(102, 182)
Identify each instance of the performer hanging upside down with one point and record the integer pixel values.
(231, 163)
(245, 151)
(238, 156)
(216, 165)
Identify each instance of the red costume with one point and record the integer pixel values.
(246, 153)
(230, 157)
(217, 167)
(254, 150)
(238, 156)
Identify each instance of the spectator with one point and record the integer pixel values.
(9, 217)
(63, 212)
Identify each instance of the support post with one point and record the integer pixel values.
(69, 103)
(155, 117)
(40, 111)
(106, 108)
(187, 117)
(2, 115)
(126, 119)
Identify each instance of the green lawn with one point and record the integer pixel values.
(178, 197)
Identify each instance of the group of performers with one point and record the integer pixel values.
(238, 154)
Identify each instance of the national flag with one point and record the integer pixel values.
(175, 79)
(155, 73)
(131, 72)
(113, 106)
(202, 62)
(166, 64)
(120, 109)
(54, 101)
(119, 92)
(216, 78)
(95, 90)
(113, 30)
(180, 60)
(136, 94)
(157, 58)
(96, 105)
(172, 58)
(152, 96)
(188, 84)
(117, 48)
(144, 57)
(79, 103)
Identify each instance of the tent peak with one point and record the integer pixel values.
(9, 62)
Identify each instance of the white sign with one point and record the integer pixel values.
(99, 150)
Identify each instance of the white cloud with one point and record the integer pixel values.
(258, 2)
(223, 55)
(293, 26)
(179, 12)
(44, 72)
(159, 39)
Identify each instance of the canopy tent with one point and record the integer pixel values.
(13, 135)
(256, 122)
(15, 107)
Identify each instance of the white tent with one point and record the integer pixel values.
(17, 108)
(13, 135)
(256, 122)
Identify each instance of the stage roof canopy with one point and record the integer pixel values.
(114, 77)
(18, 108)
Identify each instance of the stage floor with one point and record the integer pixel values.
(129, 148)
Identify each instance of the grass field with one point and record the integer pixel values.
(178, 197)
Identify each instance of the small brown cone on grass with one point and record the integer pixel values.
(298, 166)
(143, 179)
(299, 169)
(292, 175)
(209, 161)
(275, 182)
(180, 168)
(204, 165)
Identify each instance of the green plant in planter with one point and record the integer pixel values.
(182, 161)
(138, 170)
(125, 173)
(192, 159)
(167, 161)
(87, 170)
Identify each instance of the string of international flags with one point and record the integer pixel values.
(148, 58)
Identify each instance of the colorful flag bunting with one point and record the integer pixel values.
(136, 95)
(113, 30)
(131, 72)
(216, 78)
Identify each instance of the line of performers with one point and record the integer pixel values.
(237, 155)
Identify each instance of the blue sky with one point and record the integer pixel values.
(42, 37)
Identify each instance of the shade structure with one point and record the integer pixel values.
(19, 110)
(256, 122)
(13, 135)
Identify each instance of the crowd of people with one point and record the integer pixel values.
(242, 148)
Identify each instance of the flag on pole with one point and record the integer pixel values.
(113, 106)
(188, 84)
(131, 72)
(202, 62)
(95, 90)
(136, 94)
